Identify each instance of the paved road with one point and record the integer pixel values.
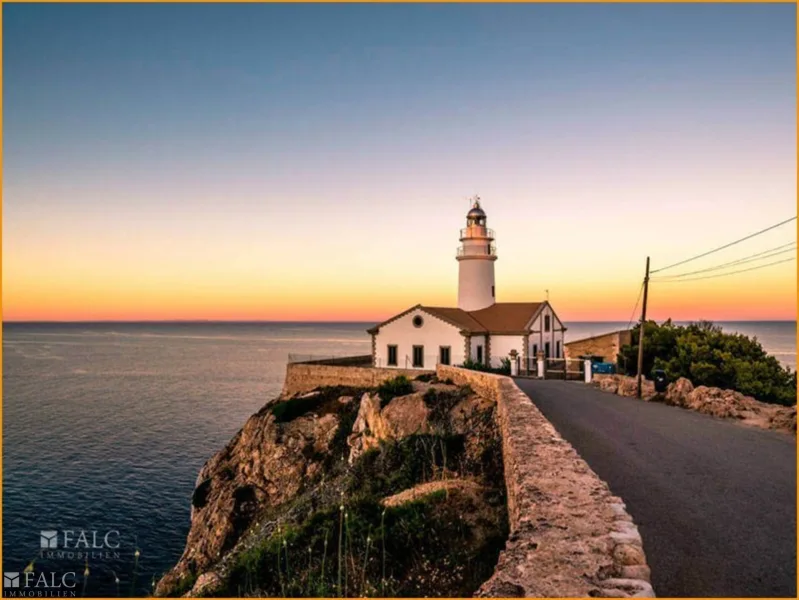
(715, 501)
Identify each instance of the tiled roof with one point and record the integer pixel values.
(510, 317)
(502, 317)
(456, 316)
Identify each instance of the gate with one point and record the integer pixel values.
(565, 368)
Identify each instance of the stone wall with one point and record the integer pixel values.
(304, 377)
(606, 345)
(569, 536)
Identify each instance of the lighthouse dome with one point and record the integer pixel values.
(475, 212)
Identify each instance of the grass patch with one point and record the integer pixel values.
(418, 549)
(325, 401)
(441, 402)
(397, 466)
(390, 389)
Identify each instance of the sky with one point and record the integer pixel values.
(315, 162)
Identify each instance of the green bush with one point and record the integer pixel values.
(706, 355)
(473, 365)
(399, 386)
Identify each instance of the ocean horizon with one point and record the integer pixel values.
(107, 424)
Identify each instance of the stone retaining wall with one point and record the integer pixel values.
(304, 377)
(569, 536)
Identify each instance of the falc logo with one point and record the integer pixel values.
(78, 539)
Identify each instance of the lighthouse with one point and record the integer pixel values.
(476, 256)
(480, 329)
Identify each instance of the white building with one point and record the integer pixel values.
(480, 328)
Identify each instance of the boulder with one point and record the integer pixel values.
(784, 419)
(678, 391)
(609, 385)
(206, 584)
(400, 418)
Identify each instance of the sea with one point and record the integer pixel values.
(106, 425)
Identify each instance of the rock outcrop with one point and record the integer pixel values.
(265, 464)
(726, 404)
(288, 463)
(401, 417)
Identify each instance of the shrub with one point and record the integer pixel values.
(427, 377)
(399, 386)
(706, 355)
(503, 369)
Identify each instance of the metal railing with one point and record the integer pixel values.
(320, 359)
(430, 362)
(564, 368)
(491, 250)
(555, 368)
(477, 233)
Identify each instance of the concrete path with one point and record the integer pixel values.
(715, 501)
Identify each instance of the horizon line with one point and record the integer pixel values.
(271, 321)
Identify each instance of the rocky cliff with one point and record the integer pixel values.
(394, 490)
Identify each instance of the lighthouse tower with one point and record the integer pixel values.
(476, 257)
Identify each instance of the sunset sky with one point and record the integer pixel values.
(306, 162)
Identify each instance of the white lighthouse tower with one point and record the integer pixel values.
(476, 257)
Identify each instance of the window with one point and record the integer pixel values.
(418, 356)
(418, 321)
(392, 356)
(480, 354)
(443, 355)
(535, 350)
(557, 349)
(492, 291)
(546, 322)
(546, 349)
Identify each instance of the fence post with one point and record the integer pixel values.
(514, 363)
(588, 371)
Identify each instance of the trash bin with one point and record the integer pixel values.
(661, 381)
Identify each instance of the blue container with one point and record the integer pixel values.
(604, 368)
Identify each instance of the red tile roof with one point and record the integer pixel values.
(506, 317)
(499, 318)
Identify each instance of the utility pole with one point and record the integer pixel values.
(641, 331)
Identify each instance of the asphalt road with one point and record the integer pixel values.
(714, 500)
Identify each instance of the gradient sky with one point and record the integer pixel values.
(314, 161)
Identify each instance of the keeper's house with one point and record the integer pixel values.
(480, 328)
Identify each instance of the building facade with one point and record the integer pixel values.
(480, 329)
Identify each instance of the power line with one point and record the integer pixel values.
(636, 306)
(724, 274)
(748, 237)
(746, 259)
